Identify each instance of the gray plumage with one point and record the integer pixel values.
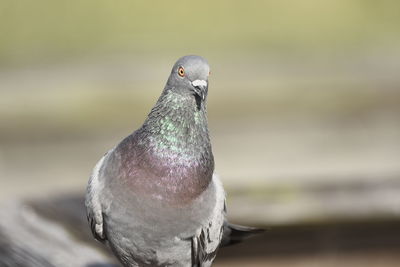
(154, 199)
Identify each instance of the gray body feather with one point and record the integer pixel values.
(145, 232)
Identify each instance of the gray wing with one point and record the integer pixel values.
(93, 204)
(218, 232)
(207, 240)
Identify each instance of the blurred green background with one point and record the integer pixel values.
(304, 99)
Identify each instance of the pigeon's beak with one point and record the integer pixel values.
(200, 88)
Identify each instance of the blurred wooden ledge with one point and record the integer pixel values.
(316, 201)
(343, 219)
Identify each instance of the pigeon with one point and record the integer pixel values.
(154, 199)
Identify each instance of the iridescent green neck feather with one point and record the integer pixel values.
(176, 129)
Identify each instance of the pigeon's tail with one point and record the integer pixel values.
(234, 233)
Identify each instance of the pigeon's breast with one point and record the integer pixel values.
(173, 183)
(174, 178)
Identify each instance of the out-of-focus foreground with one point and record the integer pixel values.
(304, 105)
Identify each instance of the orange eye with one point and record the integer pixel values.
(181, 71)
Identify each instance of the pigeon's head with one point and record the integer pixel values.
(190, 75)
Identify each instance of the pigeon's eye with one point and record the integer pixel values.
(181, 71)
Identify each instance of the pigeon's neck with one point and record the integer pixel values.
(170, 156)
(176, 129)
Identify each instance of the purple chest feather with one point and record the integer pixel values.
(172, 177)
